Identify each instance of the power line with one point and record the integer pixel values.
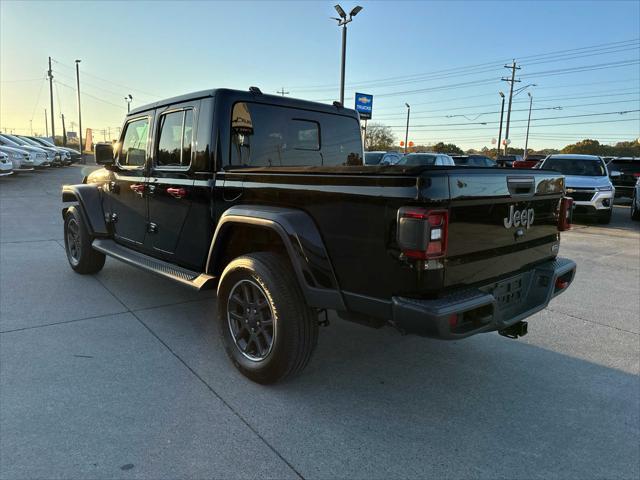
(85, 94)
(151, 95)
(544, 125)
(454, 71)
(42, 84)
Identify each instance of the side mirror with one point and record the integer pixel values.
(104, 154)
(614, 174)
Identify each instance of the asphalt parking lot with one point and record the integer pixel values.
(121, 375)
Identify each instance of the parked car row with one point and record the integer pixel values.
(426, 158)
(22, 153)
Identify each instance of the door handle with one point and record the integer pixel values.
(177, 192)
(138, 188)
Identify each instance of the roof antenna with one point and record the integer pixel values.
(337, 104)
(255, 90)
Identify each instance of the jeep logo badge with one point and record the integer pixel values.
(519, 218)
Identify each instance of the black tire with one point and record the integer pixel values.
(635, 212)
(294, 325)
(77, 243)
(605, 218)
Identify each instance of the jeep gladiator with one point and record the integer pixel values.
(266, 199)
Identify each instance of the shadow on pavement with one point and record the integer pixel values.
(374, 404)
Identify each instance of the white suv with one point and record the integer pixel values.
(587, 182)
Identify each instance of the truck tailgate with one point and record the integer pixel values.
(500, 221)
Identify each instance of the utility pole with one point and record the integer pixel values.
(526, 142)
(511, 81)
(406, 132)
(81, 149)
(64, 131)
(282, 92)
(128, 99)
(46, 123)
(500, 130)
(31, 126)
(53, 126)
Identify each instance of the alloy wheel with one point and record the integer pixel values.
(251, 320)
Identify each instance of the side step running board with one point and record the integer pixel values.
(199, 281)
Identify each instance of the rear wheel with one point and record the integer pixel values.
(77, 242)
(268, 331)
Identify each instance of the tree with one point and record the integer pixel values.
(379, 137)
(442, 147)
(587, 147)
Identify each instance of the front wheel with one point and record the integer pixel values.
(77, 243)
(268, 331)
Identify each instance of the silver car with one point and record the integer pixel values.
(50, 155)
(20, 159)
(6, 166)
(37, 156)
(427, 158)
(587, 182)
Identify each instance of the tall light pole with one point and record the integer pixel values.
(128, 99)
(342, 22)
(500, 130)
(79, 113)
(526, 142)
(406, 132)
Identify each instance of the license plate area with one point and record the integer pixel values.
(508, 293)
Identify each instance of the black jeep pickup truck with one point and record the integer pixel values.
(267, 200)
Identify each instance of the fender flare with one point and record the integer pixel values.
(303, 243)
(89, 199)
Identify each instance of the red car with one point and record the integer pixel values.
(530, 162)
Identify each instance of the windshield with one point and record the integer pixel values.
(623, 166)
(372, 158)
(43, 142)
(28, 141)
(461, 160)
(418, 159)
(576, 166)
(16, 140)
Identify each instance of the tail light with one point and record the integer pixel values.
(565, 214)
(636, 174)
(422, 233)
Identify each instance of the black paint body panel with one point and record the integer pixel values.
(338, 223)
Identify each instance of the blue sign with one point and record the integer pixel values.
(364, 105)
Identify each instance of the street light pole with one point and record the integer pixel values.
(82, 161)
(526, 142)
(406, 132)
(500, 130)
(128, 99)
(342, 22)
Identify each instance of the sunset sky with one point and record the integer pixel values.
(444, 58)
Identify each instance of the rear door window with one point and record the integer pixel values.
(175, 138)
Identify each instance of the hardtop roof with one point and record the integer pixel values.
(246, 95)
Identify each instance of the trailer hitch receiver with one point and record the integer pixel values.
(514, 331)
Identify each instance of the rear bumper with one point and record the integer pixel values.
(491, 307)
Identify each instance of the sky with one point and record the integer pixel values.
(446, 59)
